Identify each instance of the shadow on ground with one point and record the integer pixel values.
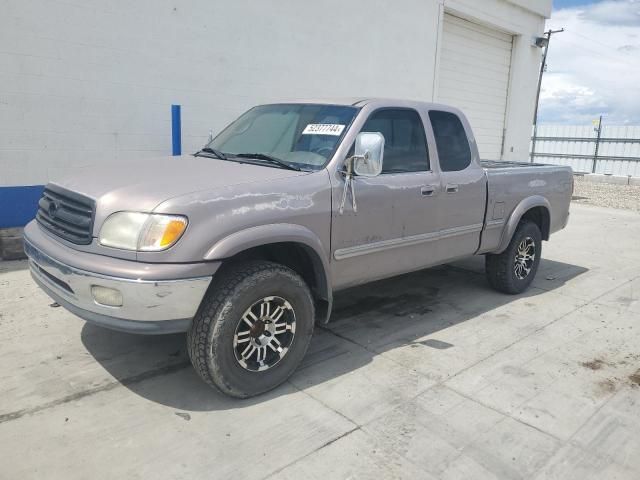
(373, 318)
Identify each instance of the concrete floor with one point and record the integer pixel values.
(430, 375)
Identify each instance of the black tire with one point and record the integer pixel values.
(501, 268)
(236, 289)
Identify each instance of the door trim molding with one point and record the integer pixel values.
(495, 223)
(384, 245)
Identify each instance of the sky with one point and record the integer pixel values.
(593, 68)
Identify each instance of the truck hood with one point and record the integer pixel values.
(143, 184)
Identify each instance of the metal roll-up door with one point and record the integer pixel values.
(475, 63)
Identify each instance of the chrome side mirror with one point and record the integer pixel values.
(366, 162)
(369, 154)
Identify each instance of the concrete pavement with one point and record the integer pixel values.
(429, 375)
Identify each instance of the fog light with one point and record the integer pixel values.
(106, 296)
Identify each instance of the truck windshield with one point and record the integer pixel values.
(304, 136)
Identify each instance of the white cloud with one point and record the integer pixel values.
(619, 12)
(594, 66)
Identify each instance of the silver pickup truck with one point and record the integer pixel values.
(243, 244)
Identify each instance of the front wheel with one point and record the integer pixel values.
(513, 270)
(252, 329)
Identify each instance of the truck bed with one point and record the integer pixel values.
(511, 183)
(506, 164)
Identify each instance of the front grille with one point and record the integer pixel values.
(67, 214)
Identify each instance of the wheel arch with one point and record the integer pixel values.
(291, 245)
(535, 208)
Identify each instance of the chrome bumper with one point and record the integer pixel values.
(147, 306)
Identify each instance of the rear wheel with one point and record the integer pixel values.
(513, 270)
(252, 329)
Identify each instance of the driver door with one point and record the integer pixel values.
(395, 227)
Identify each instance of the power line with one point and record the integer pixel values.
(596, 42)
(541, 41)
(603, 55)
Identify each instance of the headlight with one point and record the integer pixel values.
(122, 230)
(148, 232)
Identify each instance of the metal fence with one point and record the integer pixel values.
(613, 150)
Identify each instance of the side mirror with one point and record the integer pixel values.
(366, 162)
(369, 153)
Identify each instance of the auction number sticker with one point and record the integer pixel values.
(323, 129)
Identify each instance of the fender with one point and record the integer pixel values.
(277, 233)
(522, 208)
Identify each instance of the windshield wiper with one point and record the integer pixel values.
(216, 153)
(270, 159)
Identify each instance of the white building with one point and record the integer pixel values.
(92, 82)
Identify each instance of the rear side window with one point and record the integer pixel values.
(451, 140)
(405, 144)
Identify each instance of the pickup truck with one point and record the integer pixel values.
(243, 244)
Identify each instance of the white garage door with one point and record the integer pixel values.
(474, 76)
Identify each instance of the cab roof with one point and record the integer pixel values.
(362, 101)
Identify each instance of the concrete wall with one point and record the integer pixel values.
(92, 82)
(540, 7)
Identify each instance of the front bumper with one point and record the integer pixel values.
(148, 306)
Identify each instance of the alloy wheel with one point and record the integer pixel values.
(264, 334)
(525, 258)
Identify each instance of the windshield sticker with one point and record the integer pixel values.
(323, 129)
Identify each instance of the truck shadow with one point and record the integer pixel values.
(366, 321)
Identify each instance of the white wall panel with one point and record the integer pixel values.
(90, 82)
(85, 83)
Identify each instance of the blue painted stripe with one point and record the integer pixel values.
(176, 130)
(18, 205)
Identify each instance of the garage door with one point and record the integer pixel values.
(474, 76)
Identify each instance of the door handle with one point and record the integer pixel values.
(452, 188)
(428, 191)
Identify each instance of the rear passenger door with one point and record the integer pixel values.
(463, 183)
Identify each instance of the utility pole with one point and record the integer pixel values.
(546, 40)
(595, 154)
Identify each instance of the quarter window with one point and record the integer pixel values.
(405, 144)
(451, 140)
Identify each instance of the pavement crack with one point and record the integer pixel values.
(323, 404)
(506, 415)
(167, 369)
(371, 351)
(326, 444)
(345, 338)
(518, 340)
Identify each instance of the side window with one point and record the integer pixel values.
(452, 142)
(405, 144)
